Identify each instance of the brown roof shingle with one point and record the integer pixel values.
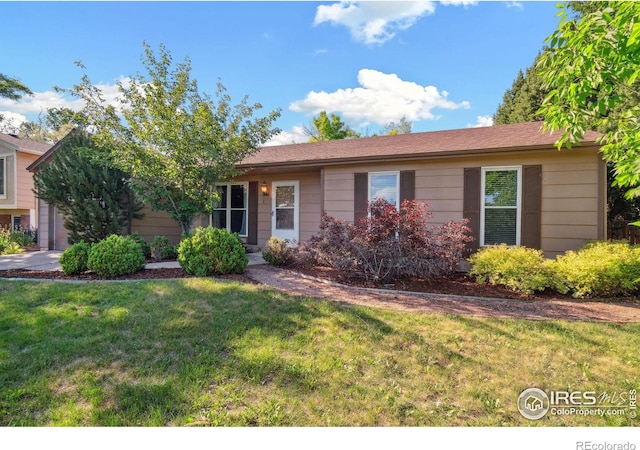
(434, 143)
(26, 145)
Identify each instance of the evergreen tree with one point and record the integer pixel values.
(522, 102)
(94, 200)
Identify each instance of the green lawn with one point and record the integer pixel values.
(201, 352)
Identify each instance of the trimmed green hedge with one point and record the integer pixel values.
(520, 269)
(116, 256)
(74, 259)
(212, 251)
(599, 269)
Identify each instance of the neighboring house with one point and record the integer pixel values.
(510, 181)
(17, 200)
(52, 234)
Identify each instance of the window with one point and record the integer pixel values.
(230, 212)
(500, 212)
(17, 223)
(3, 177)
(385, 185)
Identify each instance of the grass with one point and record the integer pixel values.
(201, 352)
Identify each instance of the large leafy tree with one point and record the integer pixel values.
(395, 128)
(591, 67)
(50, 127)
(174, 141)
(12, 89)
(94, 200)
(328, 128)
(522, 103)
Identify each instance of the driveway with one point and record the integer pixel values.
(48, 260)
(42, 260)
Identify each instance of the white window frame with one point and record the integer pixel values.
(228, 207)
(3, 195)
(518, 206)
(13, 221)
(388, 172)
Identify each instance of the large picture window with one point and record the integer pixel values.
(230, 212)
(385, 185)
(500, 212)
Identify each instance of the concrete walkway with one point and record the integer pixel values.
(42, 260)
(49, 260)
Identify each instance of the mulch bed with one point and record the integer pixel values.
(146, 274)
(457, 284)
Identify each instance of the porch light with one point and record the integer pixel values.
(264, 189)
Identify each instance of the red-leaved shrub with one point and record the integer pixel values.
(390, 243)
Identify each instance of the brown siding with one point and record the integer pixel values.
(310, 202)
(571, 193)
(156, 223)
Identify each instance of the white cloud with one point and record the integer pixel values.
(373, 22)
(458, 2)
(517, 5)
(381, 99)
(295, 136)
(40, 102)
(10, 121)
(481, 121)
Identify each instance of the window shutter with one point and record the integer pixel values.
(471, 205)
(531, 206)
(407, 185)
(360, 195)
(252, 214)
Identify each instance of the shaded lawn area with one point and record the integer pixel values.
(203, 352)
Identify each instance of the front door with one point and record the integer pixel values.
(285, 210)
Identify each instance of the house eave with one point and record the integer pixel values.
(319, 163)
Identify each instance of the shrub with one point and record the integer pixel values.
(599, 269)
(211, 251)
(390, 244)
(116, 256)
(23, 238)
(7, 245)
(144, 245)
(161, 248)
(518, 268)
(278, 252)
(74, 259)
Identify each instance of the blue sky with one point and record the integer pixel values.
(443, 65)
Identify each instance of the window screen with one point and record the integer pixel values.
(501, 206)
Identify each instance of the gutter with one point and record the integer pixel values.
(402, 157)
